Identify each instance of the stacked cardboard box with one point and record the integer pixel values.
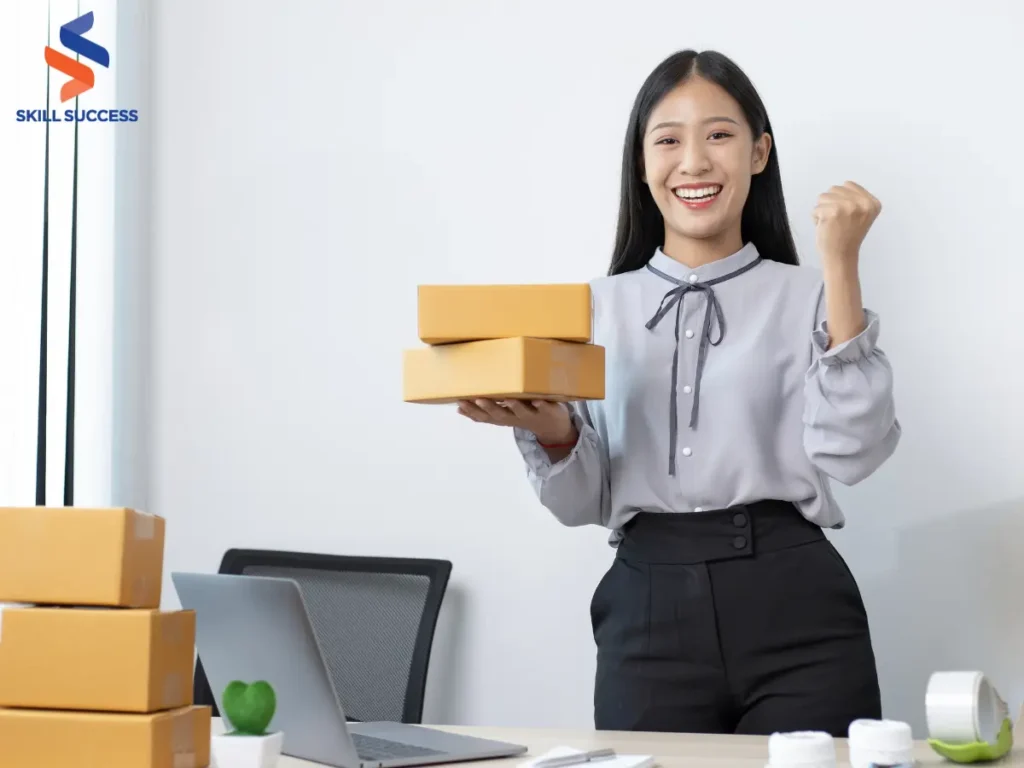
(504, 342)
(92, 672)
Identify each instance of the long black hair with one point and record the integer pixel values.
(641, 228)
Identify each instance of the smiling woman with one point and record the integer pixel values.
(699, 140)
(726, 608)
(705, 148)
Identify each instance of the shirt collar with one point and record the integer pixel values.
(710, 271)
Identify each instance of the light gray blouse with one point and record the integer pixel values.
(720, 390)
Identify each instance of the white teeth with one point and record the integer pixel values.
(696, 194)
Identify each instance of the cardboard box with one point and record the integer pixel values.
(35, 738)
(117, 660)
(522, 368)
(457, 313)
(80, 556)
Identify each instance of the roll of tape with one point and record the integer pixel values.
(801, 749)
(876, 743)
(963, 708)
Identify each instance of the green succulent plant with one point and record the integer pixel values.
(249, 707)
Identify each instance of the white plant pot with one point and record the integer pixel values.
(242, 751)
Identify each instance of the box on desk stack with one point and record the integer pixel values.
(504, 342)
(92, 672)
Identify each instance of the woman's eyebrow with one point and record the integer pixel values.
(679, 124)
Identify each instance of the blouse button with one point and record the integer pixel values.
(693, 278)
(687, 389)
(689, 333)
(687, 451)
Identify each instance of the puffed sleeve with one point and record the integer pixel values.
(850, 424)
(576, 489)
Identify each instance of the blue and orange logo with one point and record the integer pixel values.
(82, 78)
(72, 37)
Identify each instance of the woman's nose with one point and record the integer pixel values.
(694, 160)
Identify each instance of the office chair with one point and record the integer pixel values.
(374, 618)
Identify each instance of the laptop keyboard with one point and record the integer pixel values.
(371, 748)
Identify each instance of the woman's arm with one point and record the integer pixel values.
(565, 460)
(843, 217)
(570, 477)
(850, 424)
(843, 303)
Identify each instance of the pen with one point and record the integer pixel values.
(582, 757)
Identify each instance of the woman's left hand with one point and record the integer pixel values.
(842, 219)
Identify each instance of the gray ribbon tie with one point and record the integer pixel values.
(674, 298)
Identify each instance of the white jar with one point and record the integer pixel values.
(801, 749)
(880, 743)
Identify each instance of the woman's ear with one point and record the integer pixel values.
(762, 150)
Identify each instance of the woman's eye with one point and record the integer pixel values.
(666, 140)
(720, 135)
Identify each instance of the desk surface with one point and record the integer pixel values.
(670, 750)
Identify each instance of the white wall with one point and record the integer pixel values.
(315, 161)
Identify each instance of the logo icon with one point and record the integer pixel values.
(72, 37)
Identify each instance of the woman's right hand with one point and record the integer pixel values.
(549, 421)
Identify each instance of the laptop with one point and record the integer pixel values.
(257, 628)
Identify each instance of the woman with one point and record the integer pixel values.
(738, 385)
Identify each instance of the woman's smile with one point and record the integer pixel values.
(697, 196)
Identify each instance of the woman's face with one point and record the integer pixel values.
(699, 156)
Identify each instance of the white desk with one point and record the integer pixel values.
(670, 750)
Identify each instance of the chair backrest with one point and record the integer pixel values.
(374, 618)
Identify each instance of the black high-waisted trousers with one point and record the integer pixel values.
(742, 620)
